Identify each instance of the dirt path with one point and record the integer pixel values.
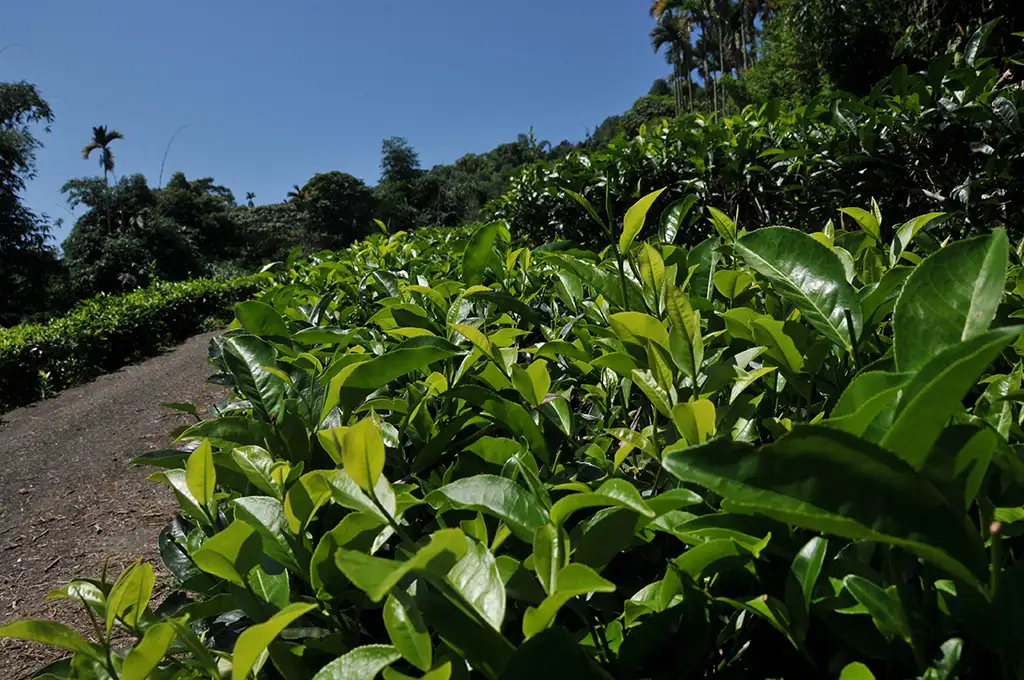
(67, 496)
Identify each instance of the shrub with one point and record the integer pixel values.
(947, 139)
(108, 331)
(773, 454)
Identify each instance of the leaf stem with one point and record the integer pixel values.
(622, 277)
(391, 520)
(995, 556)
(853, 338)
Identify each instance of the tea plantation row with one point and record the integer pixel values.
(448, 456)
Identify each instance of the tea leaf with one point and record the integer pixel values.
(249, 651)
(950, 297)
(808, 274)
(572, 580)
(634, 220)
(407, 631)
(362, 452)
(496, 496)
(810, 479)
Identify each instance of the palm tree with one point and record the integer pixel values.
(673, 30)
(296, 195)
(101, 140)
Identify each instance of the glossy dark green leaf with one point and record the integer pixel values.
(572, 580)
(550, 553)
(478, 253)
(809, 275)
(507, 414)
(406, 629)
(813, 479)
(476, 641)
(496, 496)
(950, 297)
(868, 397)
(674, 216)
(977, 41)
(476, 578)
(261, 469)
(410, 355)
(806, 567)
(260, 318)
(882, 604)
(881, 295)
(613, 493)
(586, 206)
(245, 355)
(267, 517)
(937, 391)
(376, 576)
(362, 663)
(705, 257)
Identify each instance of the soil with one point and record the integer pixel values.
(68, 498)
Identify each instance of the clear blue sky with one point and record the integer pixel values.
(274, 91)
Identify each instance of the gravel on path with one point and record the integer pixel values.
(68, 499)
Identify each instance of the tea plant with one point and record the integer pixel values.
(773, 454)
(108, 331)
(948, 138)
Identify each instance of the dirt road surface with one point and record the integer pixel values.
(69, 500)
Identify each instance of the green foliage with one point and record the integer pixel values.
(106, 332)
(27, 261)
(946, 139)
(339, 207)
(449, 455)
(810, 43)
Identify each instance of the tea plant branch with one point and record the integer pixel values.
(100, 635)
(391, 520)
(853, 338)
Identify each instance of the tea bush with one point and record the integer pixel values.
(108, 331)
(772, 454)
(946, 139)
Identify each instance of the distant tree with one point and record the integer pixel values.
(101, 140)
(295, 195)
(250, 199)
(105, 256)
(27, 261)
(399, 162)
(340, 208)
(660, 88)
(201, 210)
(400, 201)
(268, 232)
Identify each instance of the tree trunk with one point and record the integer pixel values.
(689, 87)
(743, 34)
(743, 45)
(709, 81)
(721, 60)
